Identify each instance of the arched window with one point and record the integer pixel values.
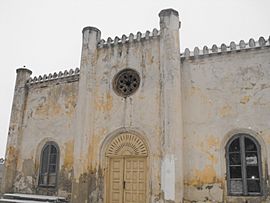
(244, 176)
(49, 165)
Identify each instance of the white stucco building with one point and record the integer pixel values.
(140, 122)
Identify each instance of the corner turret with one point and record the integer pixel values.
(15, 128)
(172, 160)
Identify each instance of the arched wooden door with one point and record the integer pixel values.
(127, 170)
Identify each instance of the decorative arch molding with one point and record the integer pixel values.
(126, 144)
(114, 134)
(41, 144)
(229, 135)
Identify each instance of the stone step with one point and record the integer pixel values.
(21, 201)
(29, 198)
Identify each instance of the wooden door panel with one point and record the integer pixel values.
(116, 180)
(135, 180)
(127, 180)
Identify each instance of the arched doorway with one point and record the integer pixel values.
(126, 180)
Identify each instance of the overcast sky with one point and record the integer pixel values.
(45, 36)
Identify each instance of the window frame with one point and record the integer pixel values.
(49, 144)
(242, 152)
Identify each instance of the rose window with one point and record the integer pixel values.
(126, 82)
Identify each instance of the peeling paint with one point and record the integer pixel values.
(89, 188)
(68, 160)
(226, 110)
(245, 99)
(28, 168)
(24, 184)
(205, 176)
(168, 177)
(12, 155)
(55, 101)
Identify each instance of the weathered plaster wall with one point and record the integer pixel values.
(112, 114)
(152, 112)
(48, 116)
(223, 94)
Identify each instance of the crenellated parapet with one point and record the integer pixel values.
(61, 76)
(132, 38)
(223, 48)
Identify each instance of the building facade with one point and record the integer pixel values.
(139, 122)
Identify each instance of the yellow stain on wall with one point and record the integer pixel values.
(94, 147)
(70, 104)
(55, 109)
(266, 135)
(68, 160)
(102, 104)
(196, 91)
(57, 101)
(245, 99)
(149, 58)
(212, 141)
(141, 97)
(11, 155)
(42, 110)
(226, 110)
(49, 107)
(205, 176)
(212, 158)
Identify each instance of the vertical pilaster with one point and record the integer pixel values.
(83, 122)
(15, 129)
(172, 159)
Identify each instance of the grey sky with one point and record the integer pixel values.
(45, 36)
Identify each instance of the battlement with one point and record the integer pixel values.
(233, 47)
(71, 75)
(132, 38)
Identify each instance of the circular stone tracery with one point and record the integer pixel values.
(126, 82)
